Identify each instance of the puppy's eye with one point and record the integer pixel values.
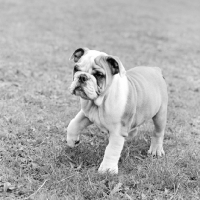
(99, 75)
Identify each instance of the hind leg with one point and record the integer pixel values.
(159, 120)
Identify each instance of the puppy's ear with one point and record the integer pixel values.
(78, 54)
(116, 65)
(113, 62)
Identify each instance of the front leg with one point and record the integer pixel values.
(74, 128)
(112, 154)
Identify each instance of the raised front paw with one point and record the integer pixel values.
(106, 167)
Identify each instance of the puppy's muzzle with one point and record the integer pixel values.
(83, 78)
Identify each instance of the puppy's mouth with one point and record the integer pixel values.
(79, 91)
(78, 88)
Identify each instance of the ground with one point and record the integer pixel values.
(36, 40)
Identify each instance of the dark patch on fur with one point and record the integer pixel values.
(78, 54)
(114, 65)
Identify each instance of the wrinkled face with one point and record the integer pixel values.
(88, 78)
(93, 73)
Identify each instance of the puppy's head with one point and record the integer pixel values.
(93, 73)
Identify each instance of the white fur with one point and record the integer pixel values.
(107, 109)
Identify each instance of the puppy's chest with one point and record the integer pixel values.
(98, 117)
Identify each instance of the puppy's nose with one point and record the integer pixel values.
(83, 78)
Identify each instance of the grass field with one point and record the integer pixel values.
(36, 40)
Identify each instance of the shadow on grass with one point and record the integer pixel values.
(89, 153)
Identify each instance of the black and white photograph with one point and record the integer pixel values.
(99, 100)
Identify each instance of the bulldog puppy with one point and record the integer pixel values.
(117, 101)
